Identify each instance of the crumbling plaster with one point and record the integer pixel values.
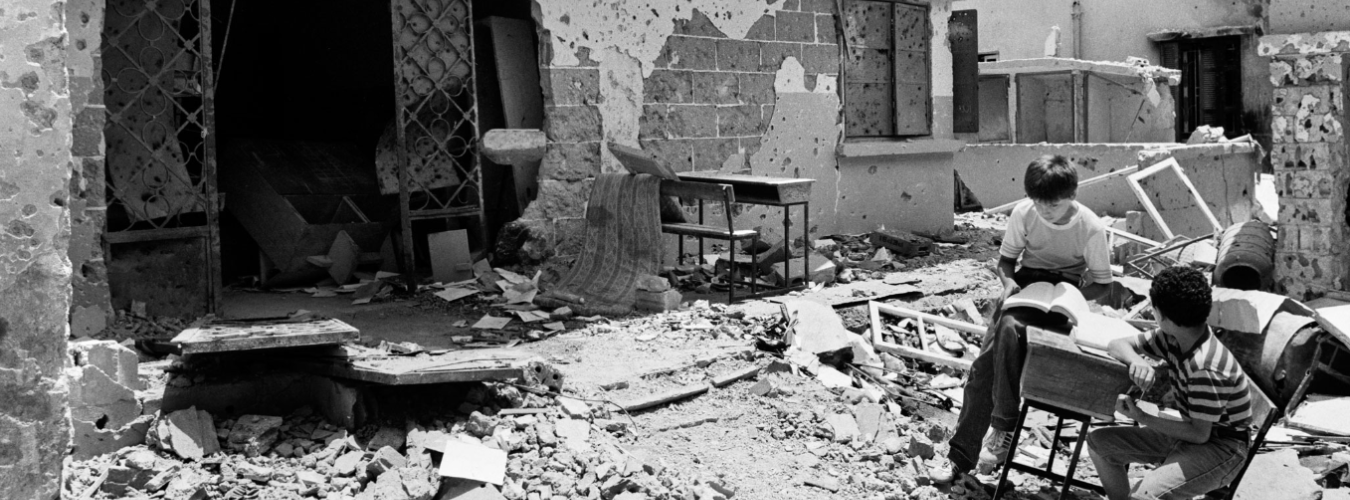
(628, 42)
(1308, 16)
(35, 157)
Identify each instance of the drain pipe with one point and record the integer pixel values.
(1078, 29)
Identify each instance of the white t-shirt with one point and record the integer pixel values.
(1076, 248)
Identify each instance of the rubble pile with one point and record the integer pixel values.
(136, 324)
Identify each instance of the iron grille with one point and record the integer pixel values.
(160, 158)
(436, 122)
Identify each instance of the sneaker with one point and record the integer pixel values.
(996, 445)
(944, 473)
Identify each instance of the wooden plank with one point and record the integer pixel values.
(947, 322)
(513, 50)
(736, 376)
(758, 189)
(264, 334)
(379, 367)
(662, 398)
(698, 190)
(1007, 207)
(1133, 237)
(1058, 373)
(931, 357)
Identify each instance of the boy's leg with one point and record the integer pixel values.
(1113, 449)
(1194, 469)
(976, 406)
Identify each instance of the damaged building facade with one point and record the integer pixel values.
(118, 190)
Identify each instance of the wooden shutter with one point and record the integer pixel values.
(913, 84)
(963, 35)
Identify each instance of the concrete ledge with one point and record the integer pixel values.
(901, 147)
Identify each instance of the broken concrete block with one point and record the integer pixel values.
(96, 397)
(514, 146)
(189, 433)
(574, 408)
(822, 271)
(388, 436)
(893, 444)
(823, 482)
(937, 433)
(819, 329)
(253, 472)
(187, 485)
(116, 360)
(920, 446)
(1278, 475)
(832, 378)
(845, 428)
(419, 482)
(763, 388)
(654, 284)
(118, 480)
(387, 458)
(869, 418)
(254, 434)
(575, 434)
(162, 479)
(668, 300)
(904, 243)
(346, 464)
(427, 440)
(90, 441)
(388, 486)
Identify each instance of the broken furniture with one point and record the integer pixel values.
(1171, 165)
(268, 333)
(295, 197)
(717, 192)
(782, 192)
(436, 367)
(1061, 379)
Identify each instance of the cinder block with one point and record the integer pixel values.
(676, 154)
(772, 55)
(820, 59)
(1287, 240)
(573, 123)
(796, 26)
(693, 120)
(570, 162)
(668, 86)
(716, 88)
(698, 25)
(737, 121)
(1312, 156)
(668, 300)
(571, 86)
(826, 29)
(691, 53)
(1282, 129)
(1295, 211)
(819, 6)
(757, 88)
(737, 55)
(763, 29)
(1305, 183)
(1285, 101)
(710, 154)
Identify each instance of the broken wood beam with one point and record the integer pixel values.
(663, 398)
(735, 376)
(947, 322)
(1007, 207)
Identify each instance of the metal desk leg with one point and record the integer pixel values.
(731, 290)
(806, 239)
(754, 280)
(1073, 460)
(787, 247)
(1012, 451)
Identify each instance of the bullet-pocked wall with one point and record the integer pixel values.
(1311, 172)
(722, 85)
(35, 169)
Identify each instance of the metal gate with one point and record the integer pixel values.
(436, 116)
(160, 157)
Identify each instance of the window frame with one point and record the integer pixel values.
(895, 80)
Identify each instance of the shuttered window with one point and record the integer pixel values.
(887, 85)
(1211, 84)
(961, 32)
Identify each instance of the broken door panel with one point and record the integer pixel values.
(159, 132)
(962, 30)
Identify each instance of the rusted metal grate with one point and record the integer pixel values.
(436, 122)
(161, 167)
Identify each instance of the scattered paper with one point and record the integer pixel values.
(883, 255)
(490, 322)
(379, 275)
(453, 294)
(511, 277)
(562, 312)
(461, 323)
(481, 267)
(324, 292)
(367, 292)
(473, 461)
(521, 293)
(555, 326)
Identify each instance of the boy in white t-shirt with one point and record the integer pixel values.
(1057, 240)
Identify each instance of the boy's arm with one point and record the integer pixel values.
(1014, 242)
(1006, 267)
(1097, 277)
(1187, 429)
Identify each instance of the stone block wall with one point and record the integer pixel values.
(91, 301)
(1309, 158)
(35, 124)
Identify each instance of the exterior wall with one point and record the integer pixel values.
(718, 85)
(1308, 16)
(35, 124)
(91, 303)
(1311, 174)
(1113, 31)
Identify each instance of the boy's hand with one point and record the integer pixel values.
(1125, 406)
(1010, 288)
(1142, 375)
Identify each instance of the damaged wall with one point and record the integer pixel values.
(715, 85)
(1308, 16)
(35, 167)
(91, 302)
(1309, 156)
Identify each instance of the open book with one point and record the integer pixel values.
(1091, 330)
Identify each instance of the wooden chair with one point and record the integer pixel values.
(720, 193)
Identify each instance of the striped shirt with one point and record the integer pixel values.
(1207, 381)
(1076, 249)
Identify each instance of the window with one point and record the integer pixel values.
(887, 89)
(1211, 83)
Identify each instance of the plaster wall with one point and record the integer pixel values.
(35, 124)
(714, 85)
(1308, 16)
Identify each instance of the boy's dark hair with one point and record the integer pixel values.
(1050, 178)
(1182, 295)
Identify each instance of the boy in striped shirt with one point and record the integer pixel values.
(1203, 451)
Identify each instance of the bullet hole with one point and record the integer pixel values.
(4, 329)
(88, 271)
(872, 169)
(79, 44)
(102, 422)
(29, 210)
(35, 54)
(29, 82)
(58, 201)
(905, 197)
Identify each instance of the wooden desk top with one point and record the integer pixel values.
(1060, 374)
(758, 189)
